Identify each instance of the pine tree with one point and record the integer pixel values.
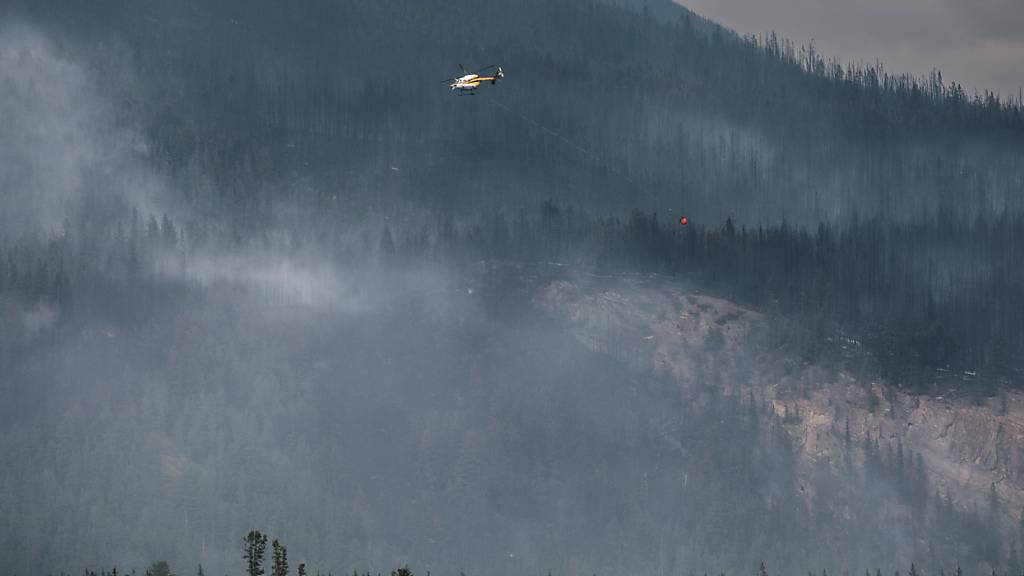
(168, 232)
(1013, 560)
(280, 560)
(302, 569)
(993, 502)
(387, 243)
(254, 547)
(159, 568)
(1020, 526)
(152, 231)
(900, 471)
(763, 571)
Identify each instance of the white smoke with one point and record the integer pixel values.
(60, 141)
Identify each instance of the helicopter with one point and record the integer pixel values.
(470, 81)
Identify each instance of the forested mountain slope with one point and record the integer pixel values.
(259, 267)
(604, 107)
(951, 458)
(433, 416)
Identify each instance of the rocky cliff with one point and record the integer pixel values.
(967, 445)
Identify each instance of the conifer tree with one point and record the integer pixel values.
(846, 435)
(254, 547)
(280, 559)
(159, 568)
(1020, 526)
(387, 243)
(993, 502)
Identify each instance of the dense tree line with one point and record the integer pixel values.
(153, 379)
(614, 109)
(916, 300)
(940, 292)
(128, 291)
(194, 345)
(267, 105)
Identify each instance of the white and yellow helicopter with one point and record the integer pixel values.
(470, 81)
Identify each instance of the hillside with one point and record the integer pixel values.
(606, 107)
(969, 448)
(500, 418)
(260, 268)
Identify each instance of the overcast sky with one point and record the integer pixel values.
(978, 43)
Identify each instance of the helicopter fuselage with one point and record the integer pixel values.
(471, 82)
(467, 82)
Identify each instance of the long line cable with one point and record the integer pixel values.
(583, 151)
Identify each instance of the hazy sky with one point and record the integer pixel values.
(978, 43)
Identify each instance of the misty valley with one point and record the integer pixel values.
(663, 300)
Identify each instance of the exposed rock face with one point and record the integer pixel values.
(966, 446)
